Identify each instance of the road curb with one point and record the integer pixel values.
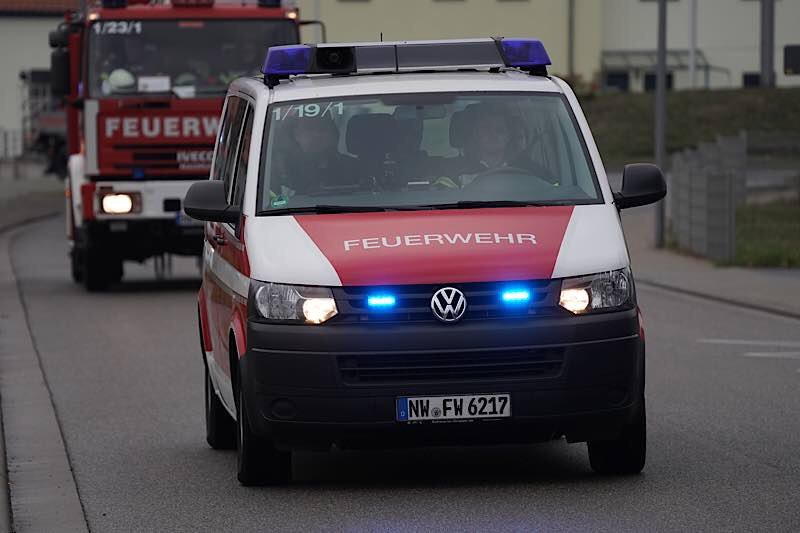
(42, 490)
(6, 229)
(721, 299)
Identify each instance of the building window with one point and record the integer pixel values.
(618, 80)
(650, 81)
(751, 79)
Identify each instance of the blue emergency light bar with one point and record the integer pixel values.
(405, 56)
(524, 53)
(287, 59)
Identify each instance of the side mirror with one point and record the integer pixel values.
(642, 184)
(59, 72)
(206, 200)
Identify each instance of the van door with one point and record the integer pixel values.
(217, 271)
(231, 256)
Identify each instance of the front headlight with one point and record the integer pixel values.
(293, 303)
(598, 292)
(121, 203)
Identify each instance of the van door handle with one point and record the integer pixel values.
(220, 239)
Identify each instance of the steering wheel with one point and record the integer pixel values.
(504, 177)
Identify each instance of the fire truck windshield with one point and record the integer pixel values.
(187, 58)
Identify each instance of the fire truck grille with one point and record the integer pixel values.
(161, 160)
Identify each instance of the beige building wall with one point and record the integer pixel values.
(24, 45)
(728, 30)
(360, 20)
(588, 38)
(728, 33)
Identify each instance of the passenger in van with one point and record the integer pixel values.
(314, 165)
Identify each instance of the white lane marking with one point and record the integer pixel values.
(752, 342)
(776, 355)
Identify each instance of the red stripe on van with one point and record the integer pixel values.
(447, 246)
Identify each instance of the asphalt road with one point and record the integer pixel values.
(126, 378)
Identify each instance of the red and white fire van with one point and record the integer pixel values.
(415, 243)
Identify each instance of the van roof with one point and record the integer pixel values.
(325, 86)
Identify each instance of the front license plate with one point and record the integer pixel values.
(440, 408)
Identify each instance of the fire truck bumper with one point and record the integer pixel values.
(139, 239)
(135, 220)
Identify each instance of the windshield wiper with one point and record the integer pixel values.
(477, 204)
(171, 94)
(333, 209)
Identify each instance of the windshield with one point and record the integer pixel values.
(183, 57)
(424, 150)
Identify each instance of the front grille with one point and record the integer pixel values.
(516, 364)
(413, 302)
(158, 158)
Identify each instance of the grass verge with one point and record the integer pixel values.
(622, 124)
(768, 235)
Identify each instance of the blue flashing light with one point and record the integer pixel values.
(381, 301)
(516, 296)
(285, 60)
(524, 53)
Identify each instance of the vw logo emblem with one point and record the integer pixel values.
(448, 304)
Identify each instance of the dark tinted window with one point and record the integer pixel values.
(186, 57)
(243, 153)
(229, 131)
(422, 149)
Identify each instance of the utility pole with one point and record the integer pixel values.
(318, 16)
(768, 43)
(693, 43)
(571, 39)
(661, 113)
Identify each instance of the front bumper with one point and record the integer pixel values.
(313, 387)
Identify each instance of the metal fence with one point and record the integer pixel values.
(11, 145)
(15, 162)
(707, 184)
(716, 190)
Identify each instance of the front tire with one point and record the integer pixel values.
(258, 462)
(75, 266)
(99, 270)
(220, 427)
(624, 455)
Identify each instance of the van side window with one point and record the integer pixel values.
(240, 174)
(229, 131)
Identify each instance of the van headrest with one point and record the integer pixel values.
(461, 125)
(370, 135)
(408, 136)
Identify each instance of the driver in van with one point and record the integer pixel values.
(315, 165)
(496, 141)
(489, 144)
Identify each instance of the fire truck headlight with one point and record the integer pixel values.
(117, 204)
